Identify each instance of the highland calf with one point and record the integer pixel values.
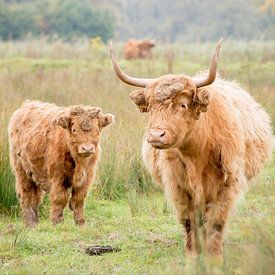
(205, 141)
(138, 49)
(55, 150)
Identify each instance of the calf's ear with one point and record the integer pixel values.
(106, 119)
(139, 99)
(62, 121)
(200, 101)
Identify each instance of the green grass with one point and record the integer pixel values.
(149, 238)
(125, 209)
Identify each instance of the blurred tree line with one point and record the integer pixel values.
(167, 20)
(197, 20)
(67, 19)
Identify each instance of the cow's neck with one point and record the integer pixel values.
(195, 152)
(196, 143)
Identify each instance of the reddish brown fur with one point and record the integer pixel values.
(138, 49)
(53, 149)
(217, 138)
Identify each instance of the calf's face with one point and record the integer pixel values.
(84, 126)
(173, 104)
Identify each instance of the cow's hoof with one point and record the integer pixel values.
(80, 222)
(57, 221)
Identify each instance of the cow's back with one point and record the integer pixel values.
(256, 126)
(131, 49)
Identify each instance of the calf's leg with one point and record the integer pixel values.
(59, 198)
(30, 196)
(76, 203)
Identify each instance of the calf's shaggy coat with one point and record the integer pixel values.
(205, 141)
(54, 149)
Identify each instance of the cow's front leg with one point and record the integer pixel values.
(59, 198)
(76, 203)
(192, 244)
(215, 218)
(186, 216)
(175, 182)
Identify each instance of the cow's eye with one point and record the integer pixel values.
(73, 130)
(184, 106)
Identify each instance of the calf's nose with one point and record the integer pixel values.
(88, 148)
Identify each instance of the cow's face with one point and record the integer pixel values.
(147, 44)
(84, 125)
(145, 47)
(173, 104)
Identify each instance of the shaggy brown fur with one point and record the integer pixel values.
(53, 149)
(217, 138)
(138, 49)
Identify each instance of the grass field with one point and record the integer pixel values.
(124, 208)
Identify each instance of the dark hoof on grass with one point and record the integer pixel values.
(99, 250)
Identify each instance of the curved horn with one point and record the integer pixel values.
(138, 82)
(200, 82)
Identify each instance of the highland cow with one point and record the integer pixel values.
(138, 49)
(54, 150)
(206, 140)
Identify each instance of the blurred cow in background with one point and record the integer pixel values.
(138, 49)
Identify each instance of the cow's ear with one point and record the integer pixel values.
(140, 100)
(200, 101)
(63, 121)
(106, 119)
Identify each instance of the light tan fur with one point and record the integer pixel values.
(54, 149)
(217, 138)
